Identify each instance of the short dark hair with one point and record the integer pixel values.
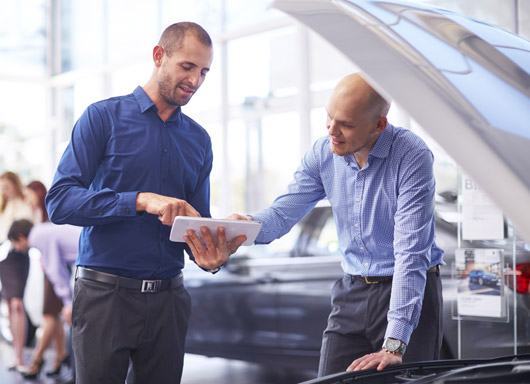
(19, 227)
(173, 36)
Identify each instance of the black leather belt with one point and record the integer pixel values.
(372, 279)
(379, 279)
(145, 286)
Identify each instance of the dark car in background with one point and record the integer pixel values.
(271, 302)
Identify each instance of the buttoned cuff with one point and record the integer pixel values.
(399, 330)
(128, 203)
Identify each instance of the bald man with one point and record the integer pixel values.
(378, 178)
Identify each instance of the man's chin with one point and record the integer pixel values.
(336, 150)
(178, 102)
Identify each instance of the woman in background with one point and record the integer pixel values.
(15, 267)
(52, 326)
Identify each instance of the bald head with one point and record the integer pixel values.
(359, 95)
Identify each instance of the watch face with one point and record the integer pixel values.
(392, 344)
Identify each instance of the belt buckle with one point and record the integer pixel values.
(370, 282)
(151, 286)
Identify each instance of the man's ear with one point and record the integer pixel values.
(158, 54)
(381, 124)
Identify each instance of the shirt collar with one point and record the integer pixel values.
(383, 143)
(143, 100)
(381, 147)
(146, 103)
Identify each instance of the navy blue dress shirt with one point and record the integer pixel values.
(120, 147)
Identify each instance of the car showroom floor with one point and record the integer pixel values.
(197, 370)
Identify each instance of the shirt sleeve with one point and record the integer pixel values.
(70, 199)
(301, 195)
(413, 240)
(200, 198)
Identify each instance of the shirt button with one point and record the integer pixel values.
(366, 264)
(127, 210)
(356, 225)
(358, 199)
(361, 248)
(100, 213)
(165, 150)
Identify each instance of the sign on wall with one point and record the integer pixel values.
(481, 219)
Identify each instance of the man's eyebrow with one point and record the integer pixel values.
(340, 121)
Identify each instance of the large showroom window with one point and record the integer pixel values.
(263, 102)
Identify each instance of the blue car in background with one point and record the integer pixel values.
(482, 277)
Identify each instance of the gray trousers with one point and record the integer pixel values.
(113, 326)
(358, 321)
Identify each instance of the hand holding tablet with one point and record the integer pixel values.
(233, 228)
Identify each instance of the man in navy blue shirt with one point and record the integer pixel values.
(135, 162)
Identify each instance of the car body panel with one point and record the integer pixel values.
(506, 369)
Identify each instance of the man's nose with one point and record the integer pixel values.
(195, 78)
(332, 127)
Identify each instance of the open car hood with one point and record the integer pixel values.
(506, 369)
(465, 82)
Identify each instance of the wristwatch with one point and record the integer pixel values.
(394, 346)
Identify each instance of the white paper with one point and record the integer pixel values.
(481, 219)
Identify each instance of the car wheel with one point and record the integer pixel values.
(481, 281)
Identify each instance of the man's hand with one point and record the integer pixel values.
(237, 216)
(165, 207)
(212, 255)
(379, 359)
(67, 314)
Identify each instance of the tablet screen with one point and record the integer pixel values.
(233, 228)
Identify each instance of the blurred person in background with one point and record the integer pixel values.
(59, 245)
(13, 206)
(52, 325)
(14, 268)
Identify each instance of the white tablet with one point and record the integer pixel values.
(233, 228)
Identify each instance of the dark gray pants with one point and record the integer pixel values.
(358, 321)
(114, 325)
